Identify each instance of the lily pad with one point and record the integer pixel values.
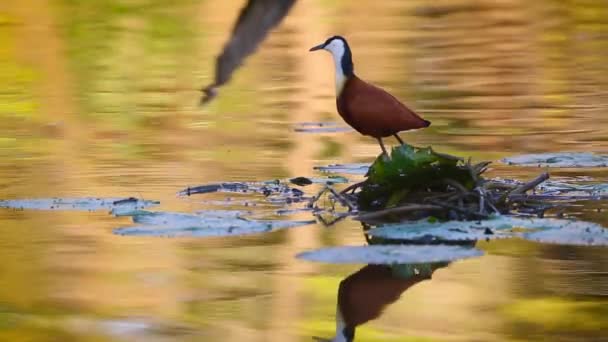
(572, 233)
(350, 169)
(570, 187)
(321, 127)
(202, 224)
(424, 231)
(536, 229)
(79, 204)
(561, 159)
(389, 254)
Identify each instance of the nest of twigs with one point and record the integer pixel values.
(415, 183)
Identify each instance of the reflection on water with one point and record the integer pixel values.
(252, 26)
(363, 295)
(99, 98)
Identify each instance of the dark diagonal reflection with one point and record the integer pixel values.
(363, 295)
(251, 28)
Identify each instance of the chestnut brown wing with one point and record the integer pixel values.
(372, 111)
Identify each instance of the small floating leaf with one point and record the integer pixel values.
(351, 169)
(333, 179)
(202, 224)
(389, 254)
(79, 204)
(562, 159)
(321, 127)
(301, 181)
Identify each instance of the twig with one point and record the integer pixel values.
(329, 223)
(460, 209)
(481, 167)
(353, 187)
(482, 198)
(316, 197)
(529, 185)
(455, 185)
(402, 209)
(345, 202)
(491, 185)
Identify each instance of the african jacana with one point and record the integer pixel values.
(365, 107)
(363, 295)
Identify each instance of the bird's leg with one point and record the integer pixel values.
(382, 146)
(399, 139)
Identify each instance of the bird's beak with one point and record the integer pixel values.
(318, 47)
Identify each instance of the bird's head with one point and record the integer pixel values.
(339, 49)
(337, 45)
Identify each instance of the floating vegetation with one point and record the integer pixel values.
(571, 188)
(321, 127)
(562, 159)
(275, 190)
(332, 179)
(349, 169)
(536, 229)
(211, 223)
(389, 254)
(79, 204)
(433, 198)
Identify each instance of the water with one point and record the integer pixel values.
(99, 99)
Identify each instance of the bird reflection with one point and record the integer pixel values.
(250, 29)
(363, 295)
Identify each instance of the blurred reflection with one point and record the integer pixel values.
(363, 295)
(254, 22)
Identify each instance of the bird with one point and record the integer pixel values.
(363, 295)
(368, 109)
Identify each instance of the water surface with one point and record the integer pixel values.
(100, 99)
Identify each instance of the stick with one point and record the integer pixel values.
(530, 185)
(460, 209)
(316, 197)
(482, 198)
(345, 202)
(353, 187)
(368, 216)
